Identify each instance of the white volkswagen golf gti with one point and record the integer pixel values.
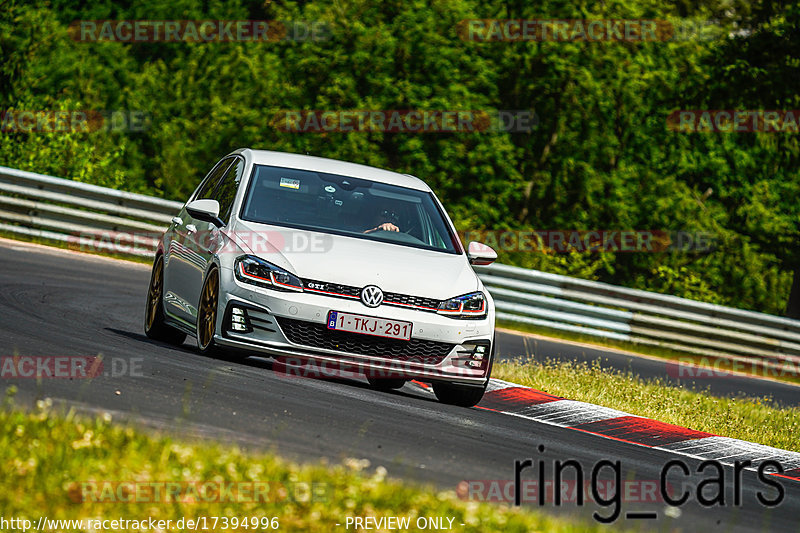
(328, 263)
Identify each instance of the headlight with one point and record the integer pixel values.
(251, 269)
(472, 305)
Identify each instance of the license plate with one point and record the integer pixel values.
(367, 325)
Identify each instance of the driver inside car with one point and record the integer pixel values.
(384, 220)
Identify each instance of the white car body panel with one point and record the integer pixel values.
(352, 261)
(391, 267)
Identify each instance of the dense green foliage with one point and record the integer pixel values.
(602, 156)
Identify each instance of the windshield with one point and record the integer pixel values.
(359, 208)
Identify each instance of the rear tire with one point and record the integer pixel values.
(461, 395)
(154, 325)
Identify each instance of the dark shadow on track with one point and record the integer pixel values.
(244, 359)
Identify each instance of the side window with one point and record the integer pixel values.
(228, 186)
(207, 187)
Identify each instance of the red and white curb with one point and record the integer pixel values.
(531, 404)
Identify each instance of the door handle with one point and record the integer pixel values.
(191, 228)
(178, 221)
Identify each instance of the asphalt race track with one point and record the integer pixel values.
(59, 303)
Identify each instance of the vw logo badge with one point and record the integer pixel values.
(372, 296)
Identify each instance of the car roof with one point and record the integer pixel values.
(333, 166)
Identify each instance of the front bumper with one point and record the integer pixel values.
(292, 326)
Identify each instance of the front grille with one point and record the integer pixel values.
(417, 301)
(316, 335)
(336, 288)
(389, 298)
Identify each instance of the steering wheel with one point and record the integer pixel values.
(411, 228)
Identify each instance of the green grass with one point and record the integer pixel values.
(751, 419)
(45, 459)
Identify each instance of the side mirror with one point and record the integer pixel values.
(480, 254)
(205, 210)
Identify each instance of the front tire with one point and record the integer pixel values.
(461, 395)
(154, 325)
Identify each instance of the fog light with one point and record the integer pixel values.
(239, 321)
(476, 355)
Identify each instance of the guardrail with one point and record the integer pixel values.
(62, 210)
(71, 212)
(641, 317)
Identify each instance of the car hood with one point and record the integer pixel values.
(359, 262)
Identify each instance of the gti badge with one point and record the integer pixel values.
(372, 296)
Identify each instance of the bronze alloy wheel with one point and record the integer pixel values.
(155, 326)
(207, 313)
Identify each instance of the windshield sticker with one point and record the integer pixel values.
(290, 183)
